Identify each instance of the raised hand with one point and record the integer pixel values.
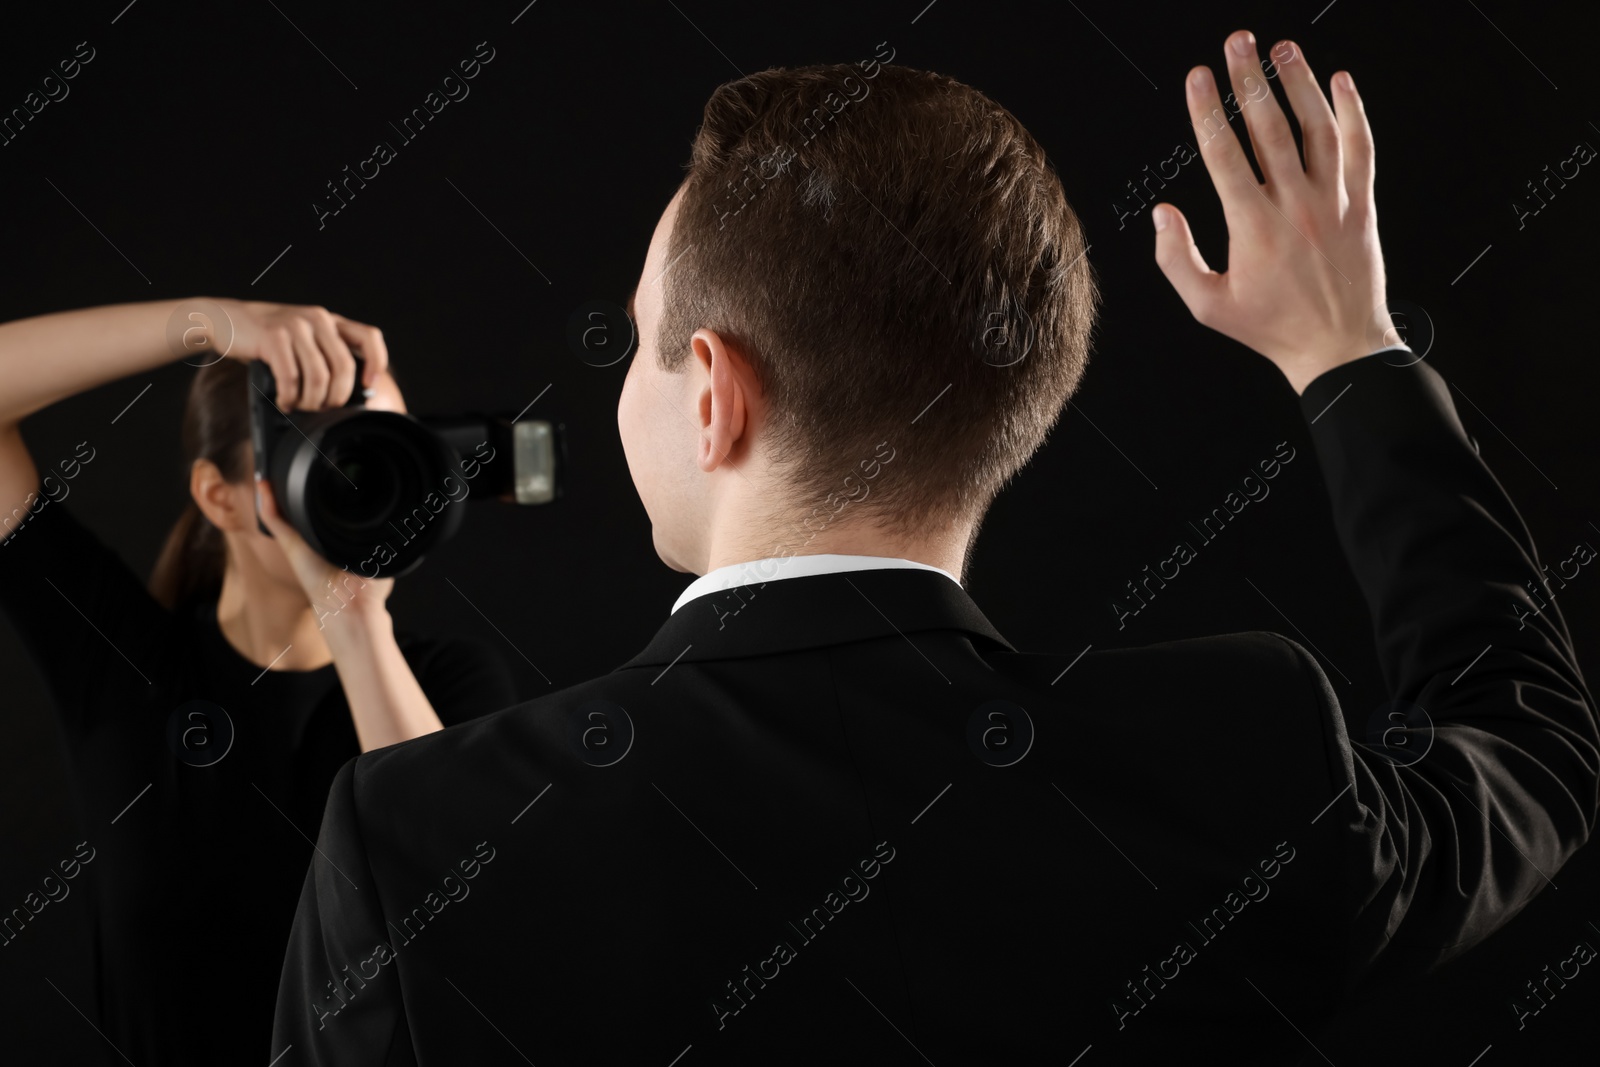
(1305, 283)
(308, 349)
(333, 591)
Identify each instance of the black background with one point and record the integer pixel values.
(192, 147)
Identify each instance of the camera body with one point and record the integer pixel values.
(375, 491)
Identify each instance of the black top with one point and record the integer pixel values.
(847, 822)
(201, 780)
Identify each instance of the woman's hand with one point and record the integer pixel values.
(334, 592)
(387, 704)
(308, 349)
(1305, 284)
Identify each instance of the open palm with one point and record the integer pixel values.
(1305, 282)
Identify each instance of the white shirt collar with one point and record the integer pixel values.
(776, 567)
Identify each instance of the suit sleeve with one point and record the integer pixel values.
(339, 999)
(1453, 831)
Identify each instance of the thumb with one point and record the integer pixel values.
(1197, 284)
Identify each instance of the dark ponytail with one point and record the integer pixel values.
(216, 427)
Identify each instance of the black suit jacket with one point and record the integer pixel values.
(851, 823)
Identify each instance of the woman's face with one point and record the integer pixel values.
(265, 552)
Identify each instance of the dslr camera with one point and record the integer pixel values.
(375, 491)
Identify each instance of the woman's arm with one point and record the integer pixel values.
(51, 357)
(48, 358)
(386, 702)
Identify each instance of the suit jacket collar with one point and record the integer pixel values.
(814, 611)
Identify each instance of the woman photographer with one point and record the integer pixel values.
(205, 713)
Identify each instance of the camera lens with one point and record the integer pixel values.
(363, 489)
(370, 489)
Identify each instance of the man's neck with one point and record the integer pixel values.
(945, 548)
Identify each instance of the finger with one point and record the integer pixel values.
(314, 373)
(341, 364)
(1225, 161)
(277, 351)
(1270, 134)
(1198, 285)
(1319, 133)
(1355, 139)
(374, 353)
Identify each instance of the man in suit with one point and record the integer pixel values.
(829, 813)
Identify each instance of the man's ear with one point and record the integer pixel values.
(217, 499)
(723, 405)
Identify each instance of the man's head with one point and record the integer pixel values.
(862, 260)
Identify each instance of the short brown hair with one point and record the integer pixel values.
(867, 239)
